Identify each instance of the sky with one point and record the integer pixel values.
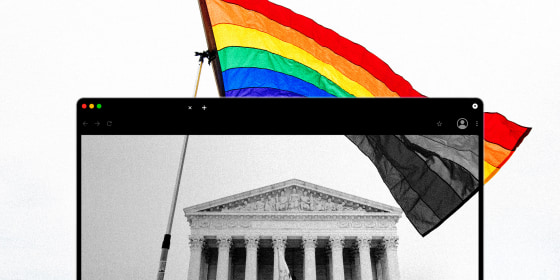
(53, 53)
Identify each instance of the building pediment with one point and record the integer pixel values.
(289, 197)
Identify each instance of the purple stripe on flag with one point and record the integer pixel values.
(261, 92)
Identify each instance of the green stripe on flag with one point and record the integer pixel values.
(241, 57)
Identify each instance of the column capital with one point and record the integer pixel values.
(309, 241)
(224, 241)
(279, 241)
(363, 241)
(390, 242)
(196, 241)
(336, 241)
(252, 241)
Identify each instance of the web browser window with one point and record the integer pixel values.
(266, 188)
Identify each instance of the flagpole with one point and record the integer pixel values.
(198, 76)
(167, 237)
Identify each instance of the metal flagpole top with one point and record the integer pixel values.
(206, 54)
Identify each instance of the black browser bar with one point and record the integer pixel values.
(273, 116)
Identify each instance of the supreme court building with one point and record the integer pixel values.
(323, 233)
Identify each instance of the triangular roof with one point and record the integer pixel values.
(292, 196)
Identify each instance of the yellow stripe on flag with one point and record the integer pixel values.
(489, 171)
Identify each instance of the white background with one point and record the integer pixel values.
(54, 52)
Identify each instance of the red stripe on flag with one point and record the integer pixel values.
(501, 131)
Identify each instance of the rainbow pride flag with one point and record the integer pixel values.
(266, 50)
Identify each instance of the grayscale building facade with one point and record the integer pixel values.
(324, 234)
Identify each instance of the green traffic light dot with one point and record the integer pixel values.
(98, 106)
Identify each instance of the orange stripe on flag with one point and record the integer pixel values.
(495, 154)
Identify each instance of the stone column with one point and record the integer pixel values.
(252, 245)
(196, 243)
(309, 244)
(390, 243)
(224, 242)
(365, 259)
(337, 243)
(279, 244)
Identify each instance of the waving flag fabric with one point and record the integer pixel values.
(430, 176)
(501, 138)
(266, 50)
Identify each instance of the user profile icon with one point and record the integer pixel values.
(462, 123)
